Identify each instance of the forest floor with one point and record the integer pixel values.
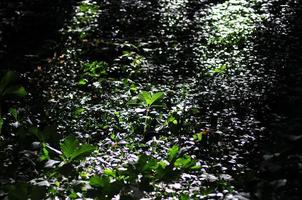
(161, 100)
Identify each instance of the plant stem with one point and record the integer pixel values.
(146, 121)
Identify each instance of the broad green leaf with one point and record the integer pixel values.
(8, 78)
(99, 181)
(15, 90)
(73, 195)
(110, 172)
(172, 153)
(145, 97)
(156, 97)
(69, 145)
(82, 151)
(184, 162)
(150, 165)
(83, 81)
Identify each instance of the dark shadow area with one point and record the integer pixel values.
(279, 160)
(29, 30)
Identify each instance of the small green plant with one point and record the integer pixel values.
(70, 148)
(147, 100)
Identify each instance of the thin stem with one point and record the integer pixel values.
(146, 120)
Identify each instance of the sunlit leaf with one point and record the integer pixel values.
(110, 172)
(82, 151)
(173, 152)
(99, 181)
(156, 97)
(145, 97)
(69, 145)
(184, 162)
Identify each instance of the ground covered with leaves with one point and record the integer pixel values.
(157, 100)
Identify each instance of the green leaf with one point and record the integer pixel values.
(156, 97)
(172, 153)
(196, 167)
(69, 145)
(83, 81)
(150, 98)
(73, 195)
(219, 70)
(145, 97)
(15, 91)
(8, 78)
(72, 150)
(184, 197)
(82, 151)
(110, 172)
(44, 153)
(150, 165)
(14, 113)
(79, 111)
(184, 162)
(99, 181)
(1, 123)
(142, 160)
(198, 136)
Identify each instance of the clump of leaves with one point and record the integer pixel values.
(232, 23)
(93, 70)
(142, 175)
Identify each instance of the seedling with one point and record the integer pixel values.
(148, 100)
